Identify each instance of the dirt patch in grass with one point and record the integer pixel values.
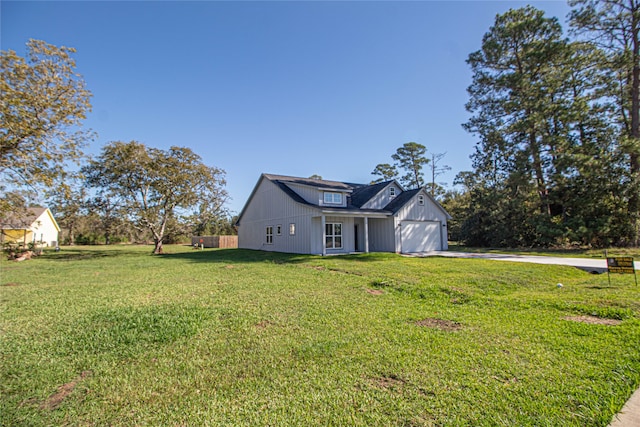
(594, 320)
(375, 291)
(63, 392)
(444, 325)
(10, 284)
(263, 324)
(387, 382)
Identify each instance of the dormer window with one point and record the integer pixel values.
(332, 198)
(421, 200)
(392, 192)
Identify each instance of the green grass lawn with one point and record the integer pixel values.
(115, 336)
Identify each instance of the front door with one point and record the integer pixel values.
(355, 238)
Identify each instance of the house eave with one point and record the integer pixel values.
(356, 212)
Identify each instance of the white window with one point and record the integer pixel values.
(333, 198)
(421, 200)
(269, 235)
(333, 238)
(392, 192)
(278, 230)
(292, 229)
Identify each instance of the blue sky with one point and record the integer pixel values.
(291, 88)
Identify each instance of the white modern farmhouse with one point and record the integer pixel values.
(316, 216)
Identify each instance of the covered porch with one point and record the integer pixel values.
(345, 232)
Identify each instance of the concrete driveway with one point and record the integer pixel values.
(588, 264)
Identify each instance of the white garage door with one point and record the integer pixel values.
(420, 236)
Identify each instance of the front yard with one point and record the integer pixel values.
(115, 336)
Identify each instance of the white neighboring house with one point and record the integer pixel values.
(316, 216)
(34, 225)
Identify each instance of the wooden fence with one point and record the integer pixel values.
(215, 241)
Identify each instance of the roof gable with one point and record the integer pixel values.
(53, 220)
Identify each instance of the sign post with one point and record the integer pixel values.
(621, 265)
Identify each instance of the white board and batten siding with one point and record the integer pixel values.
(45, 229)
(421, 227)
(271, 207)
(381, 235)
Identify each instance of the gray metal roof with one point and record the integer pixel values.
(319, 183)
(360, 193)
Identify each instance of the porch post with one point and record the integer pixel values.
(323, 222)
(366, 235)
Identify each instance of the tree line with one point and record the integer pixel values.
(128, 191)
(558, 125)
(557, 160)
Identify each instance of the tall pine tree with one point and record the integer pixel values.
(546, 159)
(614, 27)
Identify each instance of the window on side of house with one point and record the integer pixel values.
(278, 230)
(292, 229)
(332, 198)
(269, 235)
(421, 200)
(333, 235)
(392, 192)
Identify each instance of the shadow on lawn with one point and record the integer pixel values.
(251, 256)
(237, 256)
(81, 253)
